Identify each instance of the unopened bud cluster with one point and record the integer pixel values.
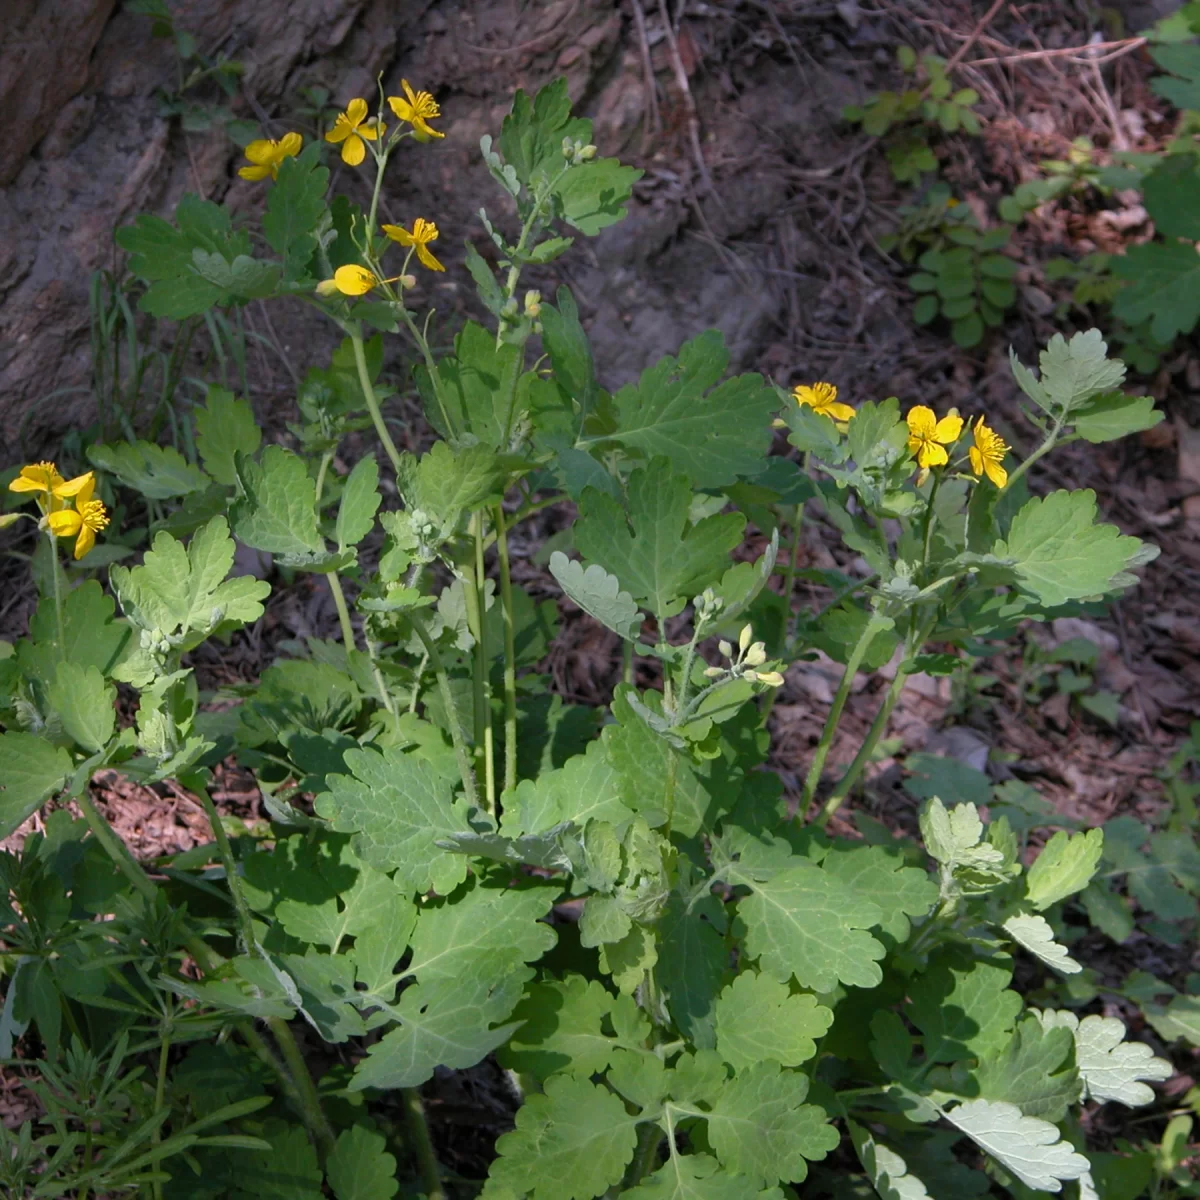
(575, 152)
(750, 655)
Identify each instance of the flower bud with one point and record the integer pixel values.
(327, 287)
(756, 655)
(750, 676)
(587, 153)
(407, 282)
(771, 678)
(713, 672)
(725, 649)
(568, 148)
(744, 638)
(533, 303)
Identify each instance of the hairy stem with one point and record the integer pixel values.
(855, 769)
(306, 1091)
(368, 390)
(510, 653)
(343, 612)
(421, 1143)
(1044, 448)
(873, 626)
(56, 575)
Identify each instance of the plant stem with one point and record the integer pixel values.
(874, 625)
(930, 520)
(1044, 448)
(645, 1158)
(160, 1092)
(476, 600)
(368, 390)
(339, 602)
(306, 1090)
(116, 849)
(855, 769)
(56, 575)
(421, 1143)
(465, 769)
(195, 783)
(510, 653)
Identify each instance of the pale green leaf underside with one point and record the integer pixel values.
(599, 595)
(31, 771)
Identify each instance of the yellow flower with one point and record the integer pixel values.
(37, 477)
(423, 232)
(83, 521)
(44, 478)
(822, 398)
(351, 280)
(987, 455)
(928, 437)
(417, 110)
(266, 154)
(350, 128)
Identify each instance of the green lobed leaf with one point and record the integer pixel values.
(1110, 1067)
(563, 1028)
(85, 704)
(372, 899)
(1115, 415)
(225, 427)
(963, 1006)
(1059, 553)
(881, 876)
(593, 195)
(360, 1168)
(178, 589)
(804, 921)
(570, 354)
(448, 1023)
(91, 637)
(482, 929)
(31, 771)
(759, 1020)
(277, 511)
(360, 502)
(398, 808)
(711, 432)
(477, 387)
(571, 1142)
(1032, 1149)
(1037, 936)
(693, 962)
(447, 483)
(1035, 1071)
(1072, 372)
(759, 1126)
(295, 207)
(157, 472)
(887, 1171)
(696, 1177)
(1162, 287)
(243, 278)
(1065, 865)
(598, 594)
(662, 560)
(1172, 194)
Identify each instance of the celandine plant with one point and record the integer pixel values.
(695, 993)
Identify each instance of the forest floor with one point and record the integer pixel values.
(753, 170)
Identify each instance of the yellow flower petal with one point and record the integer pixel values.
(932, 455)
(398, 234)
(371, 130)
(262, 151)
(353, 280)
(977, 462)
(78, 485)
(948, 430)
(254, 174)
(84, 542)
(922, 422)
(340, 130)
(290, 145)
(839, 411)
(427, 259)
(64, 523)
(996, 473)
(356, 112)
(354, 150)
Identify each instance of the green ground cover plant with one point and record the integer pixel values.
(697, 990)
